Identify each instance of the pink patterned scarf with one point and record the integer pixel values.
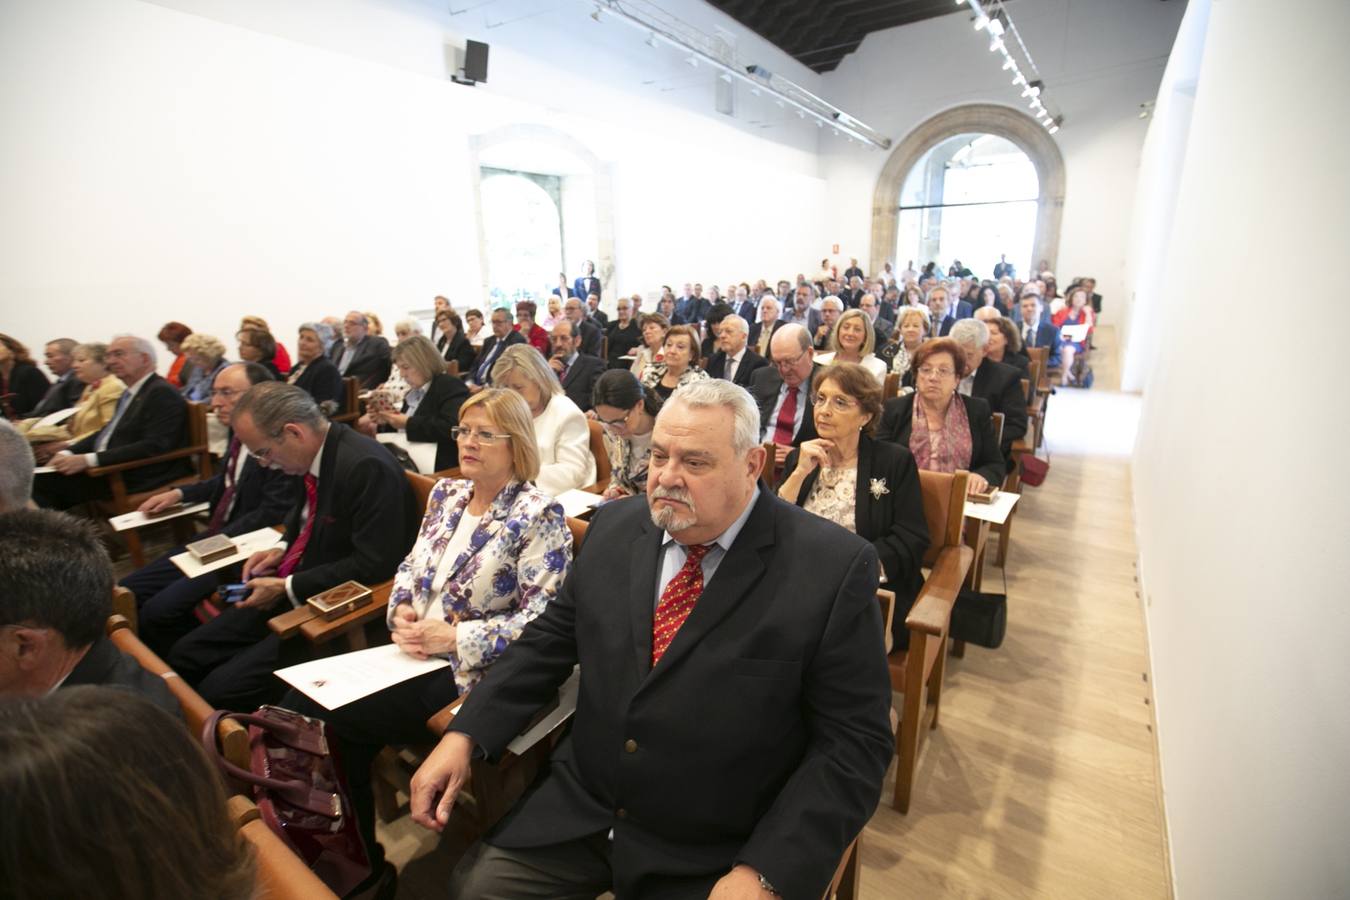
(946, 448)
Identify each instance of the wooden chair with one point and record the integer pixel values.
(233, 737)
(351, 405)
(891, 388)
(917, 673)
(195, 449)
(452, 367)
(770, 474)
(281, 874)
(847, 880)
(603, 471)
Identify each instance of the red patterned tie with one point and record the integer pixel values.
(678, 600)
(787, 418)
(292, 558)
(223, 507)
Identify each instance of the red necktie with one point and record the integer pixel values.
(787, 418)
(292, 558)
(678, 600)
(223, 507)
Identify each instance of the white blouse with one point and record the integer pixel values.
(871, 362)
(564, 438)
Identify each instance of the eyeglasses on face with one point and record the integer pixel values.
(612, 423)
(791, 363)
(931, 372)
(460, 433)
(838, 403)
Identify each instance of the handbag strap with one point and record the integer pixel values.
(297, 793)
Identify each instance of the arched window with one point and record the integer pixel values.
(522, 235)
(972, 197)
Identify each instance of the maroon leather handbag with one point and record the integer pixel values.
(1034, 470)
(299, 790)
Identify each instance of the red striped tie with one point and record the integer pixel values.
(678, 600)
(293, 555)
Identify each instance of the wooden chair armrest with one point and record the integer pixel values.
(1020, 446)
(95, 471)
(932, 611)
(598, 488)
(441, 721)
(320, 631)
(288, 623)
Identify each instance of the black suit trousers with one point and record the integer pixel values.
(166, 599)
(230, 660)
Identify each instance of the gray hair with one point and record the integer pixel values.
(141, 345)
(833, 302)
(971, 332)
(273, 405)
(322, 330)
(95, 350)
(412, 326)
(716, 392)
(737, 322)
(65, 345)
(16, 469)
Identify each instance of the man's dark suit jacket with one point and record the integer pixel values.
(371, 361)
(579, 383)
(622, 340)
(762, 736)
(367, 517)
(764, 387)
(322, 381)
(590, 338)
(586, 285)
(853, 272)
(1046, 335)
(154, 422)
(63, 394)
(105, 665)
(694, 310)
(892, 520)
(512, 337)
(897, 422)
(599, 318)
(436, 415)
(747, 311)
(757, 328)
(751, 363)
(1000, 386)
(262, 496)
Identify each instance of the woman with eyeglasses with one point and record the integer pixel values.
(430, 408)
(679, 364)
(864, 485)
(560, 429)
(492, 552)
(943, 429)
(628, 411)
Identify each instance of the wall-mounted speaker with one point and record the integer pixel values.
(475, 61)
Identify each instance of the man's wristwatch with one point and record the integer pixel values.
(764, 883)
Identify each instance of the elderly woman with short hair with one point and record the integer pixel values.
(851, 341)
(207, 355)
(279, 357)
(430, 408)
(95, 408)
(314, 372)
(678, 365)
(493, 550)
(529, 329)
(654, 327)
(258, 346)
(451, 341)
(912, 329)
(867, 486)
(560, 428)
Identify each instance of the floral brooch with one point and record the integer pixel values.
(879, 487)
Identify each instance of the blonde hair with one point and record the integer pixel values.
(420, 353)
(869, 334)
(508, 412)
(203, 345)
(373, 322)
(914, 312)
(530, 361)
(257, 322)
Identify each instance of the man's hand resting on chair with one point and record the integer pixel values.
(437, 782)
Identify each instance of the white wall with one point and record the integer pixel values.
(172, 165)
(1099, 59)
(1240, 504)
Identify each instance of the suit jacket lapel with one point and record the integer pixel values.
(642, 575)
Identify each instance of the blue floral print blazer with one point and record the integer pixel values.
(515, 564)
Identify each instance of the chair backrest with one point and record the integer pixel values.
(124, 605)
(602, 468)
(887, 601)
(452, 367)
(944, 503)
(770, 474)
(352, 395)
(891, 388)
(197, 438)
(998, 429)
(232, 736)
(1026, 387)
(281, 875)
(421, 485)
(1039, 354)
(578, 528)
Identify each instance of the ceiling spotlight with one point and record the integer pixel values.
(651, 40)
(959, 2)
(1009, 63)
(995, 45)
(995, 27)
(1054, 129)
(980, 21)
(725, 77)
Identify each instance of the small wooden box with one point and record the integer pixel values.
(340, 600)
(212, 548)
(987, 497)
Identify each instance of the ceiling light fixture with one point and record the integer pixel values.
(981, 21)
(992, 16)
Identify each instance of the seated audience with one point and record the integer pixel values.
(595, 313)
(1076, 311)
(881, 325)
(376, 327)
(22, 384)
(623, 335)
(769, 322)
(66, 391)
(912, 328)
(1005, 344)
(677, 367)
(654, 328)
(94, 411)
(665, 307)
(257, 346)
(406, 328)
(944, 316)
(503, 337)
(172, 336)
(997, 384)
(474, 328)
(492, 551)
(591, 334)
(1007, 300)
(244, 496)
(534, 335)
(732, 751)
(315, 373)
(105, 796)
(575, 370)
(831, 308)
(54, 610)
(1041, 334)
(452, 343)
(866, 486)
(734, 361)
(944, 430)
(16, 470)
(783, 391)
(627, 411)
(362, 353)
(356, 522)
(987, 297)
(555, 312)
(712, 325)
(560, 429)
(150, 419)
(279, 358)
(430, 408)
(207, 355)
(852, 341)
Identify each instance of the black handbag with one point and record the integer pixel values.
(980, 619)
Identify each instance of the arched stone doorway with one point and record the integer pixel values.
(1021, 130)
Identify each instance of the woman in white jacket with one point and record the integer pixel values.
(560, 428)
